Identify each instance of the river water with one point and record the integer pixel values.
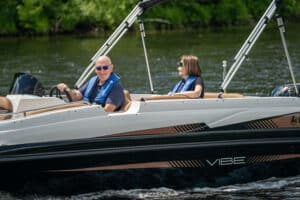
(63, 58)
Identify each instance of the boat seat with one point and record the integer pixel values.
(207, 95)
(127, 102)
(162, 97)
(5, 107)
(54, 108)
(212, 95)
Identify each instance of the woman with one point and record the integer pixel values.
(191, 84)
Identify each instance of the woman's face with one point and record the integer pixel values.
(181, 71)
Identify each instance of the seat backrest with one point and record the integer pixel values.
(127, 102)
(5, 107)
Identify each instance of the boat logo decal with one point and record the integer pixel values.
(227, 161)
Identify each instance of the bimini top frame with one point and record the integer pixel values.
(254, 35)
(137, 11)
(242, 54)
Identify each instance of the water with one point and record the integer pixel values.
(272, 188)
(63, 58)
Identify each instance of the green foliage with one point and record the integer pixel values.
(231, 12)
(291, 9)
(32, 15)
(56, 16)
(256, 8)
(186, 13)
(203, 13)
(8, 16)
(42, 16)
(105, 13)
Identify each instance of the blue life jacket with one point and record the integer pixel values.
(187, 84)
(104, 91)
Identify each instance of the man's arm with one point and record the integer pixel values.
(75, 94)
(115, 99)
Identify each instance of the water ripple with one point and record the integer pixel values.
(272, 188)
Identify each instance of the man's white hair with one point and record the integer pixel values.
(104, 58)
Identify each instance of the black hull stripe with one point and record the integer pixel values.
(145, 148)
(178, 164)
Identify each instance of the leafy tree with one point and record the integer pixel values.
(32, 15)
(230, 12)
(8, 16)
(291, 9)
(55, 16)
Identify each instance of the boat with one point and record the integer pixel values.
(154, 140)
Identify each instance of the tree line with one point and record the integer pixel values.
(69, 16)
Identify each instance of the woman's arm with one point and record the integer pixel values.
(192, 94)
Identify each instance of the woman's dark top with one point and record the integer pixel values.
(198, 81)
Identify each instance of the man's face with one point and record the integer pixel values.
(103, 69)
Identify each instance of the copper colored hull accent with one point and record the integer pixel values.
(60, 107)
(120, 167)
(288, 121)
(178, 164)
(165, 130)
(148, 165)
(269, 158)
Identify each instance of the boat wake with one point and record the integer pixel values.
(274, 188)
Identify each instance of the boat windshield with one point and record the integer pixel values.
(26, 84)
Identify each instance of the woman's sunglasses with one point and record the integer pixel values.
(179, 64)
(99, 68)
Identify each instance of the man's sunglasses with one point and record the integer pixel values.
(99, 68)
(179, 64)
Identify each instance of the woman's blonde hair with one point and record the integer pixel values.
(191, 65)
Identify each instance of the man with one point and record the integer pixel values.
(104, 88)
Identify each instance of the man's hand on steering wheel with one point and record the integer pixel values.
(57, 91)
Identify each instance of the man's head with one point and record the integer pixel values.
(103, 68)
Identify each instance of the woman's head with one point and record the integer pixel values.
(189, 66)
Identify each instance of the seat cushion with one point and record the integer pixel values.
(5, 104)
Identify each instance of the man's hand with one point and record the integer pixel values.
(62, 87)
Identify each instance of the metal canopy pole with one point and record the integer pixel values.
(110, 43)
(138, 10)
(248, 44)
(143, 35)
(282, 31)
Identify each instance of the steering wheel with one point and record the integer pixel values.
(55, 91)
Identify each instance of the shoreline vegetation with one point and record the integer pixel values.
(48, 17)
